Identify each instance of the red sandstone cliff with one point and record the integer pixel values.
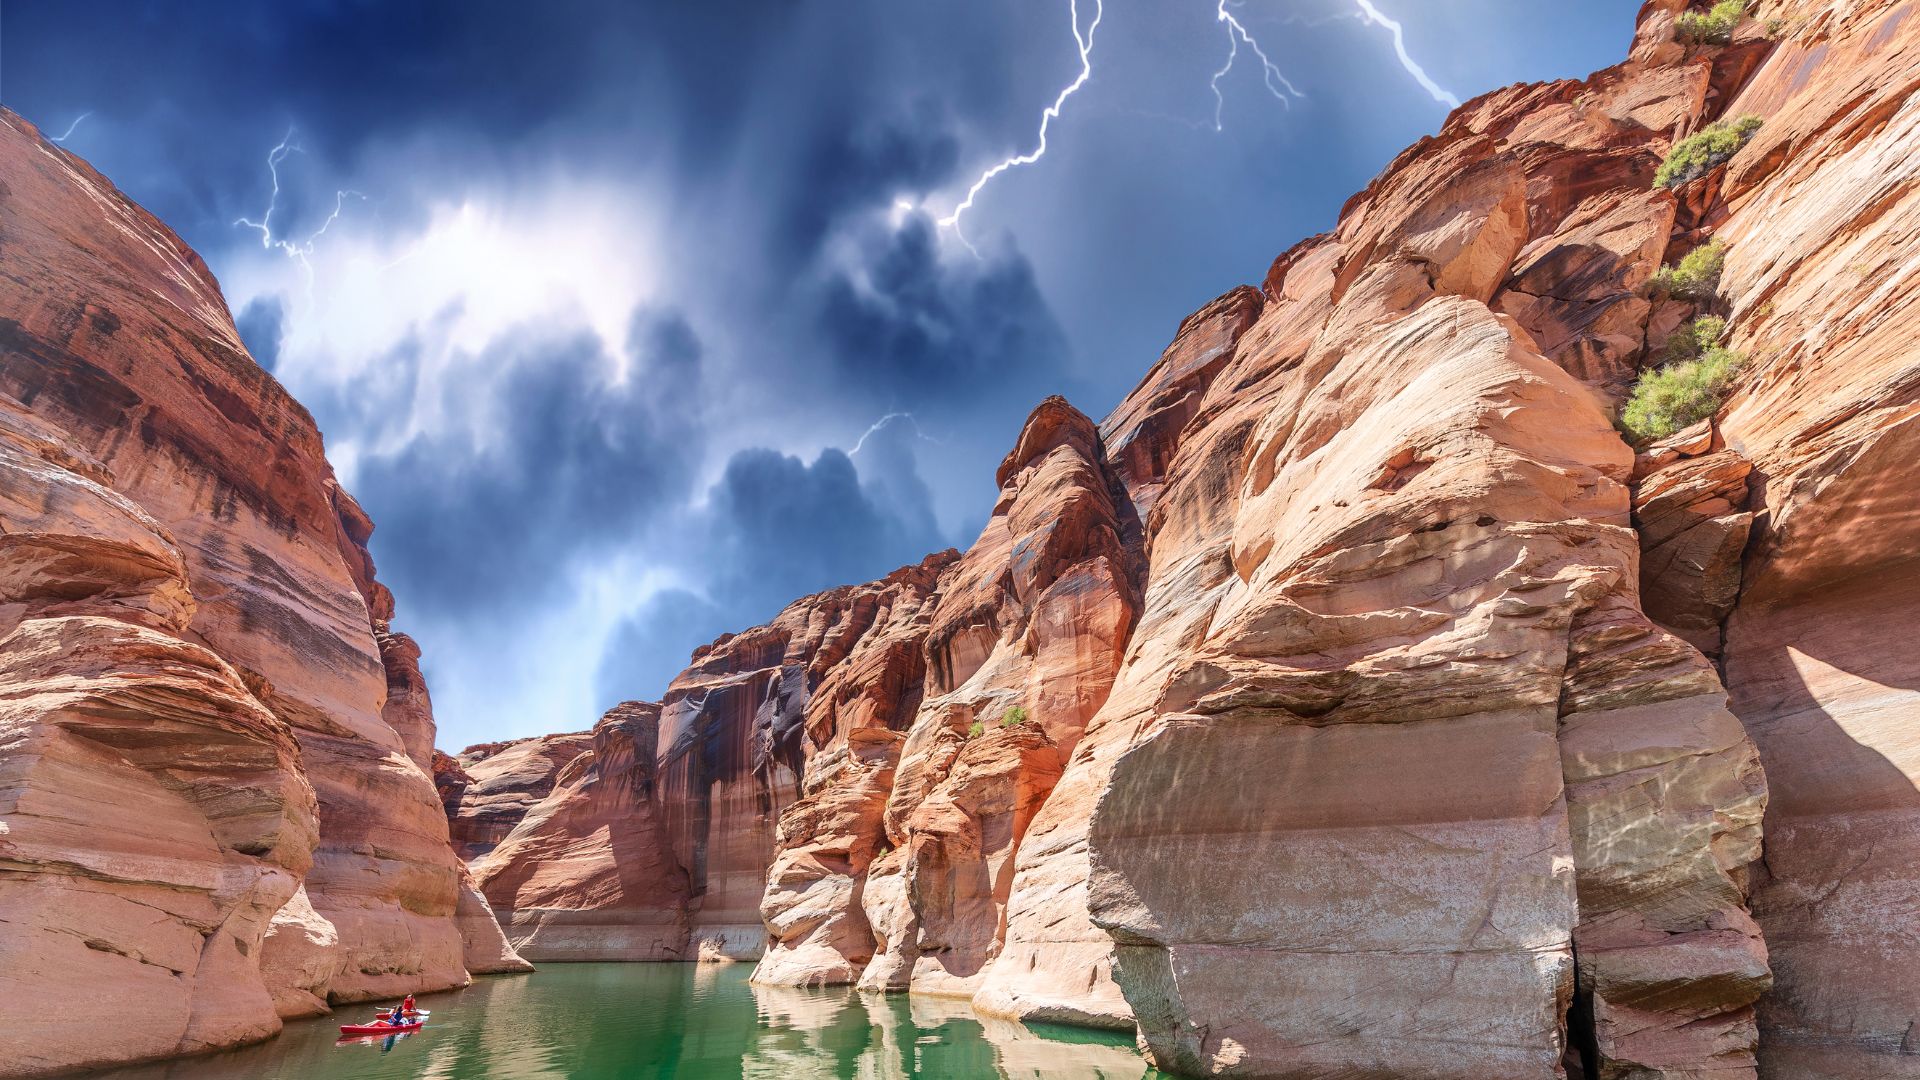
(1385, 713)
(213, 804)
(489, 788)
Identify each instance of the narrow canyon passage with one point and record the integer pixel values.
(1370, 693)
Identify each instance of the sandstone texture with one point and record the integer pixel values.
(1820, 215)
(490, 787)
(588, 873)
(214, 809)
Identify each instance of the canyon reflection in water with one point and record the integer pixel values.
(685, 1021)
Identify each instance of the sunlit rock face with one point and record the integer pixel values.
(489, 788)
(768, 716)
(213, 804)
(1354, 701)
(1819, 214)
(587, 874)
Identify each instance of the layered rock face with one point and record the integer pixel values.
(1354, 701)
(588, 873)
(490, 787)
(215, 808)
(1819, 215)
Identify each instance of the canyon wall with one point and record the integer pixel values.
(1355, 700)
(214, 809)
(1820, 215)
(489, 788)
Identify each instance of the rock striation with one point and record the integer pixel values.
(1819, 212)
(489, 788)
(214, 810)
(588, 873)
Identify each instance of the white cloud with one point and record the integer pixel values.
(476, 266)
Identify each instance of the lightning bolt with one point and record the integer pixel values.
(1372, 16)
(1236, 33)
(296, 250)
(274, 157)
(883, 422)
(1052, 112)
(68, 134)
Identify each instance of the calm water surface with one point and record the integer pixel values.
(685, 1021)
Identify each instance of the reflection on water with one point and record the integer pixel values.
(688, 1022)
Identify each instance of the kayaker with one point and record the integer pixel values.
(406, 1007)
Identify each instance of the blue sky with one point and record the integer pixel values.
(630, 322)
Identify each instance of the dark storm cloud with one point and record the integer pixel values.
(918, 327)
(777, 529)
(865, 168)
(218, 82)
(557, 462)
(652, 645)
(787, 528)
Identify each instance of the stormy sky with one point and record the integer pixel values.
(631, 322)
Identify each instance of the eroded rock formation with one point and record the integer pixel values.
(1819, 214)
(588, 874)
(213, 804)
(1384, 712)
(490, 787)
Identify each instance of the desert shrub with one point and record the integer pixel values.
(1676, 396)
(1712, 27)
(978, 729)
(1695, 277)
(1013, 717)
(1693, 156)
(1691, 341)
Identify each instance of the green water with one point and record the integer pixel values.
(684, 1021)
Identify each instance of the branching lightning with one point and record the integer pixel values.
(1052, 112)
(68, 134)
(274, 157)
(298, 250)
(1372, 16)
(1271, 74)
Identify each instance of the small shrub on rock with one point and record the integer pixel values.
(1691, 341)
(1712, 27)
(1685, 390)
(1695, 277)
(1697, 154)
(1013, 717)
(978, 729)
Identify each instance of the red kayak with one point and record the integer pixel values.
(378, 1029)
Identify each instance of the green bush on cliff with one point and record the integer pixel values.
(978, 729)
(1013, 717)
(1695, 277)
(1713, 27)
(1681, 394)
(1692, 340)
(1695, 155)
